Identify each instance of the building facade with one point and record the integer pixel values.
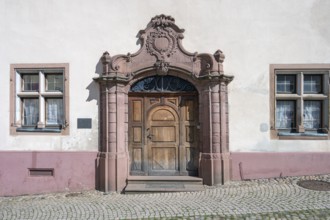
(253, 102)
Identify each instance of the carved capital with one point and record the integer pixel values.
(112, 78)
(226, 78)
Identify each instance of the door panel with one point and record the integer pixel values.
(137, 158)
(189, 109)
(137, 110)
(163, 115)
(189, 134)
(164, 159)
(163, 134)
(136, 135)
(163, 140)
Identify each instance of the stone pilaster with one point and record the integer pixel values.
(113, 156)
(215, 157)
(224, 131)
(211, 165)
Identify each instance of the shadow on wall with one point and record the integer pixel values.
(93, 87)
(94, 94)
(138, 41)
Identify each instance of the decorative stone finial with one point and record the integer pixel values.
(219, 56)
(106, 59)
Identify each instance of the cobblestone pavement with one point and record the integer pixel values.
(258, 199)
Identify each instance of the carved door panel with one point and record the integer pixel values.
(136, 135)
(189, 133)
(163, 141)
(163, 134)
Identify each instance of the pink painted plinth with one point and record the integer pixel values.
(267, 165)
(73, 171)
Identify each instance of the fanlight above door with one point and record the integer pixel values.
(162, 84)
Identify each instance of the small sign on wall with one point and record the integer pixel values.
(84, 123)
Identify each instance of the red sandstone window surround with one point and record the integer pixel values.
(39, 98)
(299, 101)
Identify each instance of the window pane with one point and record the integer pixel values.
(312, 84)
(312, 114)
(285, 114)
(54, 82)
(286, 83)
(30, 112)
(31, 82)
(54, 111)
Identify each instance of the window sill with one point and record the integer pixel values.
(302, 136)
(42, 130)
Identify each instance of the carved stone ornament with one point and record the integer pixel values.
(162, 44)
(162, 66)
(162, 21)
(162, 51)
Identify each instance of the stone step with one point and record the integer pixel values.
(162, 184)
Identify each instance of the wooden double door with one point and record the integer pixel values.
(163, 134)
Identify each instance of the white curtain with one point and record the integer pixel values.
(285, 116)
(54, 114)
(31, 112)
(312, 114)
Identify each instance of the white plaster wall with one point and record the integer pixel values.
(252, 34)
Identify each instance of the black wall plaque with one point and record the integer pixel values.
(84, 123)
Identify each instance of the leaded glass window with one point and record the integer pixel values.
(312, 114)
(54, 111)
(286, 83)
(30, 82)
(162, 84)
(312, 84)
(285, 114)
(30, 111)
(54, 82)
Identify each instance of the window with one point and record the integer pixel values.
(299, 101)
(39, 98)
